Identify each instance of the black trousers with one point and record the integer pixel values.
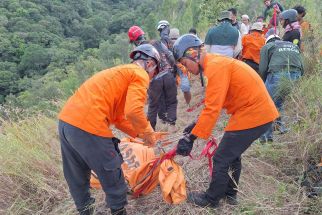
(252, 64)
(83, 152)
(163, 99)
(228, 155)
(162, 111)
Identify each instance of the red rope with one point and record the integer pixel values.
(206, 152)
(275, 19)
(158, 161)
(196, 106)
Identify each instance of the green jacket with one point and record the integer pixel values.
(280, 56)
(224, 35)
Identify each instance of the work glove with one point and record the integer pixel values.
(189, 128)
(185, 145)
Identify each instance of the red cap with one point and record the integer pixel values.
(134, 33)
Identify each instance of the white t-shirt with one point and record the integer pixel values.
(244, 29)
(229, 51)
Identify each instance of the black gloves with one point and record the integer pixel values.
(185, 145)
(189, 128)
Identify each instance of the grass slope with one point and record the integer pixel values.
(32, 181)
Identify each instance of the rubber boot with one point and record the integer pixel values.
(232, 200)
(200, 199)
(172, 129)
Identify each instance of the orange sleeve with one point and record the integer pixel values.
(218, 84)
(244, 41)
(135, 101)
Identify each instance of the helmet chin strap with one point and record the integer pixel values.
(152, 69)
(146, 67)
(200, 70)
(286, 22)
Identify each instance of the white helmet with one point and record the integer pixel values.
(273, 36)
(162, 23)
(174, 33)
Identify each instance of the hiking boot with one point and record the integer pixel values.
(279, 126)
(172, 129)
(232, 200)
(200, 199)
(89, 209)
(121, 211)
(283, 130)
(163, 122)
(263, 140)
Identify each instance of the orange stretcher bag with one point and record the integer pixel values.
(144, 171)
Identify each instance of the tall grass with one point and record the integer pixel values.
(31, 180)
(31, 175)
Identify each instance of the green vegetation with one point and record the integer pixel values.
(45, 40)
(49, 47)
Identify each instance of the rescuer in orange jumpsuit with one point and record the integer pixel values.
(114, 96)
(232, 85)
(252, 44)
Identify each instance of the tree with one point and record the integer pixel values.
(8, 83)
(149, 26)
(34, 61)
(210, 9)
(121, 22)
(89, 36)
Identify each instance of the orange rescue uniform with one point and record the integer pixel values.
(305, 27)
(234, 86)
(252, 44)
(113, 96)
(306, 30)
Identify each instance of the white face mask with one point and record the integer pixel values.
(151, 69)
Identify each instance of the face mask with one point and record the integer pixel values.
(151, 69)
(148, 70)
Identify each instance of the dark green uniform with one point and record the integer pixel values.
(224, 34)
(280, 56)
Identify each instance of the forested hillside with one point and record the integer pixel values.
(43, 41)
(49, 47)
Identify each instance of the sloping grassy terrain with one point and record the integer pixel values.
(32, 181)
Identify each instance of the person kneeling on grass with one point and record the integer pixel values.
(114, 96)
(233, 85)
